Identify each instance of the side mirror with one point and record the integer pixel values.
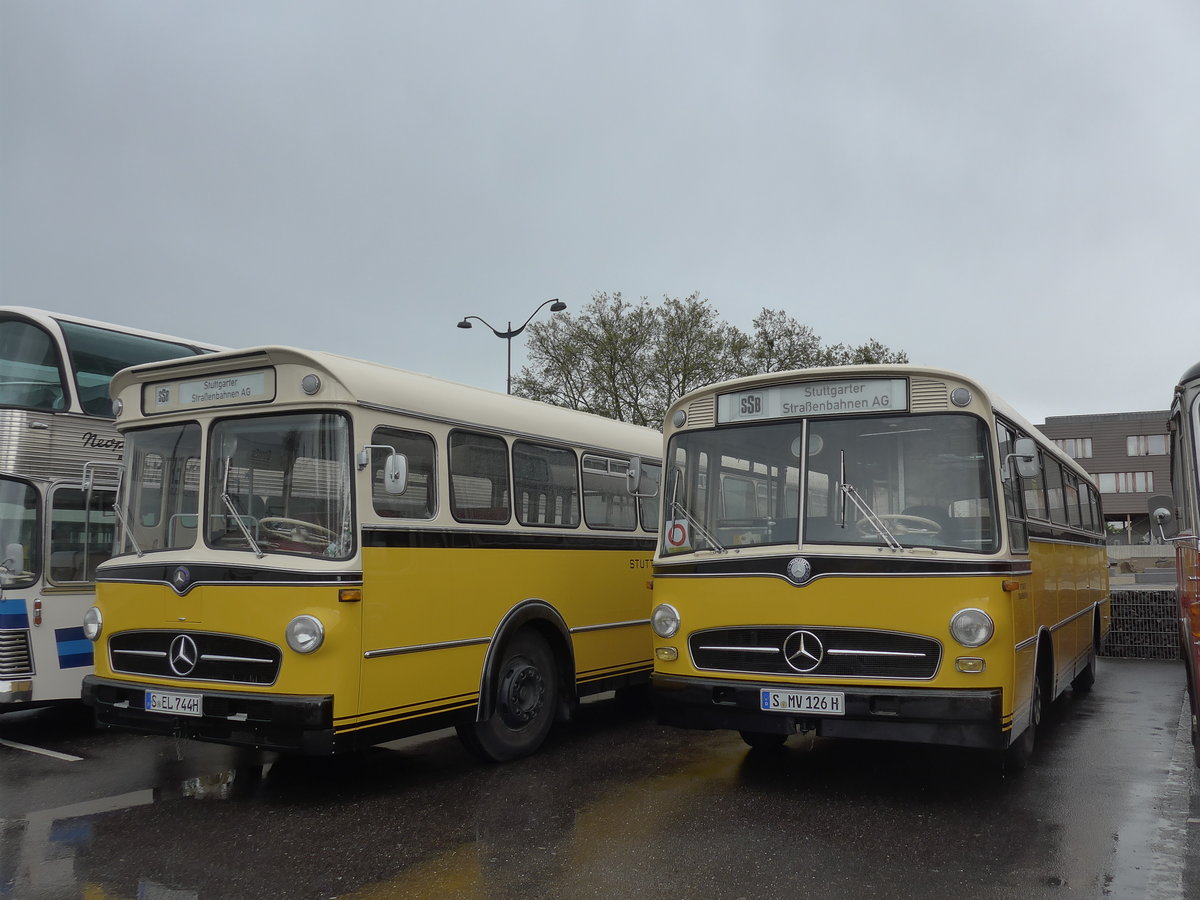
(636, 478)
(1025, 456)
(1162, 519)
(395, 474)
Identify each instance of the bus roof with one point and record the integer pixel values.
(48, 318)
(398, 390)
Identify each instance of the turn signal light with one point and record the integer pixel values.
(349, 595)
(666, 654)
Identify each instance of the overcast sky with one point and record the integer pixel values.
(1009, 189)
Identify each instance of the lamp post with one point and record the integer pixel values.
(555, 305)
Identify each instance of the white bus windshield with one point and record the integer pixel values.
(903, 481)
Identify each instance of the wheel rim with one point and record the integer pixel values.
(522, 692)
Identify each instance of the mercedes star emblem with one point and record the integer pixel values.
(803, 651)
(183, 655)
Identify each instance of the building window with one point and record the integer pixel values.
(1126, 482)
(1077, 448)
(1146, 445)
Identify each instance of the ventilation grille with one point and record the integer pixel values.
(928, 395)
(16, 660)
(701, 413)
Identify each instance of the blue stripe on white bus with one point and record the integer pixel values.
(13, 613)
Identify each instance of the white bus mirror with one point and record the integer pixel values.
(1162, 519)
(1025, 456)
(395, 474)
(635, 479)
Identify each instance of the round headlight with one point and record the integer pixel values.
(665, 620)
(305, 634)
(972, 627)
(93, 624)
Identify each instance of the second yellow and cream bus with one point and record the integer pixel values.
(1178, 519)
(319, 554)
(880, 552)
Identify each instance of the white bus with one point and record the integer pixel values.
(55, 420)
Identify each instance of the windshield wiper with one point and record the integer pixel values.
(866, 511)
(237, 516)
(678, 507)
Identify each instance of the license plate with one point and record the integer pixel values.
(823, 703)
(174, 704)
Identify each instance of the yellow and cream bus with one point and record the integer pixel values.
(56, 422)
(319, 554)
(879, 552)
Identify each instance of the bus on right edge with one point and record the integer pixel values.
(1184, 522)
(873, 552)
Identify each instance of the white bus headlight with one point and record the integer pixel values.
(305, 634)
(93, 624)
(665, 620)
(972, 627)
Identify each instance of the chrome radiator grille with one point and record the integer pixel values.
(195, 656)
(818, 651)
(16, 658)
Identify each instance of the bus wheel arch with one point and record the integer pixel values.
(1086, 677)
(1017, 754)
(523, 684)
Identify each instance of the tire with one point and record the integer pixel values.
(1017, 755)
(763, 740)
(1082, 683)
(527, 690)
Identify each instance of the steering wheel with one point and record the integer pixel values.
(297, 530)
(899, 524)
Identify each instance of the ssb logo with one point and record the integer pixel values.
(163, 395)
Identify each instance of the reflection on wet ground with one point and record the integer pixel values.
(615, 805)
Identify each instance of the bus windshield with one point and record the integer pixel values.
(99, 353)
(899, 481)
(30, 368)
(20, 548)
(280, 483)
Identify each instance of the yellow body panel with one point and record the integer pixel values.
(255, 611)
(414, 598)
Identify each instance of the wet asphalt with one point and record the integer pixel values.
(614, 806)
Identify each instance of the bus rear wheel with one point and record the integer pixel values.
(524, 706)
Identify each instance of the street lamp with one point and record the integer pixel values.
(555, 305)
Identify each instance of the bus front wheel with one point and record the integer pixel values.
(525, 702)
(1017, 755)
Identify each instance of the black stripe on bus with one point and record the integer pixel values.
(848, 565)
(461, 539)
(220, 573)
(1062, 534)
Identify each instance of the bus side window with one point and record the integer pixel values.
(479, 490)
(419, 500)
(1018, 531)
(546, 483)
(607, 502)
(648, 505)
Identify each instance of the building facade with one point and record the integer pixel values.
(1128, 456)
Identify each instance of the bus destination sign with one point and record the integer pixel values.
(216, 390)
(852, 396)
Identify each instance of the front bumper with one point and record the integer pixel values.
(289, 723)
(956, 718)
